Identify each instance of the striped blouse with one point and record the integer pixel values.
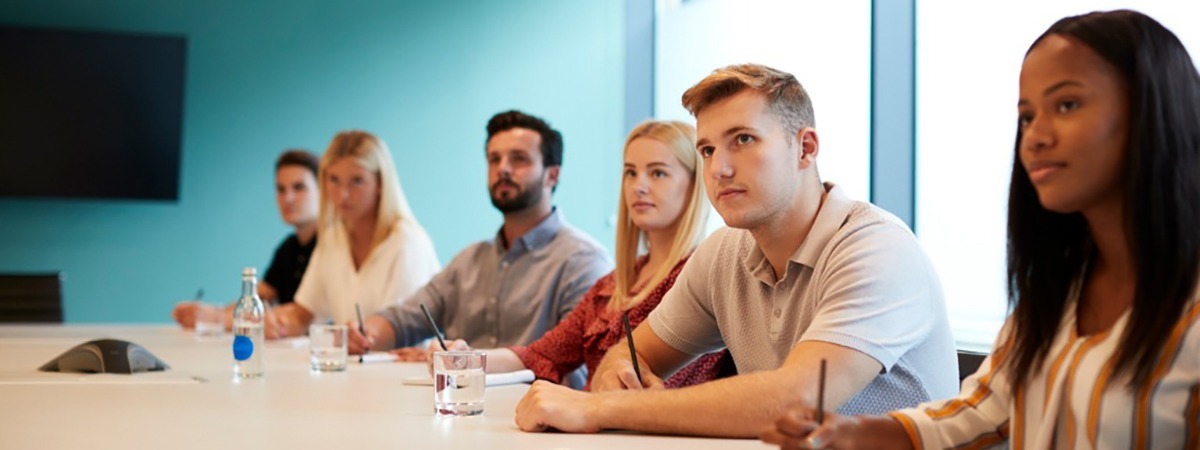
(1074, 401)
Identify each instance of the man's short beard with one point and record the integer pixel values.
(526, 197)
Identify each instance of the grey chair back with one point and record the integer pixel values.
(31, 298)
(968, 363)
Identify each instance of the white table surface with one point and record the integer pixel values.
(364, 407)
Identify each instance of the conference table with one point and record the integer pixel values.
(198, 404)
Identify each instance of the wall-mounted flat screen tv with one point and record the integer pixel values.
(87, 114)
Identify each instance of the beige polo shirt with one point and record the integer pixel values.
(860, 279)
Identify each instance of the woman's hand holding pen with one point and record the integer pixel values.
(359, 343)
(629, 380)
(799, 428)
(617, 373)
(808, 428)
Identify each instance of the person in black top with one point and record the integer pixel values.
(287, 267)
(299, 202)
(298, 199)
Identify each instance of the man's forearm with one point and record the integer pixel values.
(733, 407)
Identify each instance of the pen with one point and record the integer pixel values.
(437, 332)
(821, 395)
(632, 352)
(362, 328)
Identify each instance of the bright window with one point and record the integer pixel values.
(826, 45)
(969, 56)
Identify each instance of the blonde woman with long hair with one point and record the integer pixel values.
(372, 251)
(662, 209)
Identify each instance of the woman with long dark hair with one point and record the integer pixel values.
(1102, 349)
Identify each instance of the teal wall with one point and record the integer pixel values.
(266, 75)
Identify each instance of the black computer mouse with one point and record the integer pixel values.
(105, 356)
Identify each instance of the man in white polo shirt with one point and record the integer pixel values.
(801, 274)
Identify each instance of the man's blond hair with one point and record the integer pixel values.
(785, 96)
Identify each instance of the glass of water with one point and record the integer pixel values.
(458, 383)
(210, 320)
(327, 351)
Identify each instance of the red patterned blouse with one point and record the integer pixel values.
(587, 332)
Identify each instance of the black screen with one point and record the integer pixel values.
(90, 114)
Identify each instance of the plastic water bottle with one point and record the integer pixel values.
(248, 319)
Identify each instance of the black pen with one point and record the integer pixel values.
(632, 352)
(821, 395)
(437, 332)
(362, 328)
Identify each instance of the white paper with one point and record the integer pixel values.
(493, 379)
(374, 357)
(291, 342)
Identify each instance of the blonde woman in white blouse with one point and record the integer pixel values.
(1102, 349)
(372, 250)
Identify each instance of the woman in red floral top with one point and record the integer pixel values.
(663, 208)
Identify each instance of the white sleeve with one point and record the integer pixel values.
(311, 293)
(977, 416)
(414, 265)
